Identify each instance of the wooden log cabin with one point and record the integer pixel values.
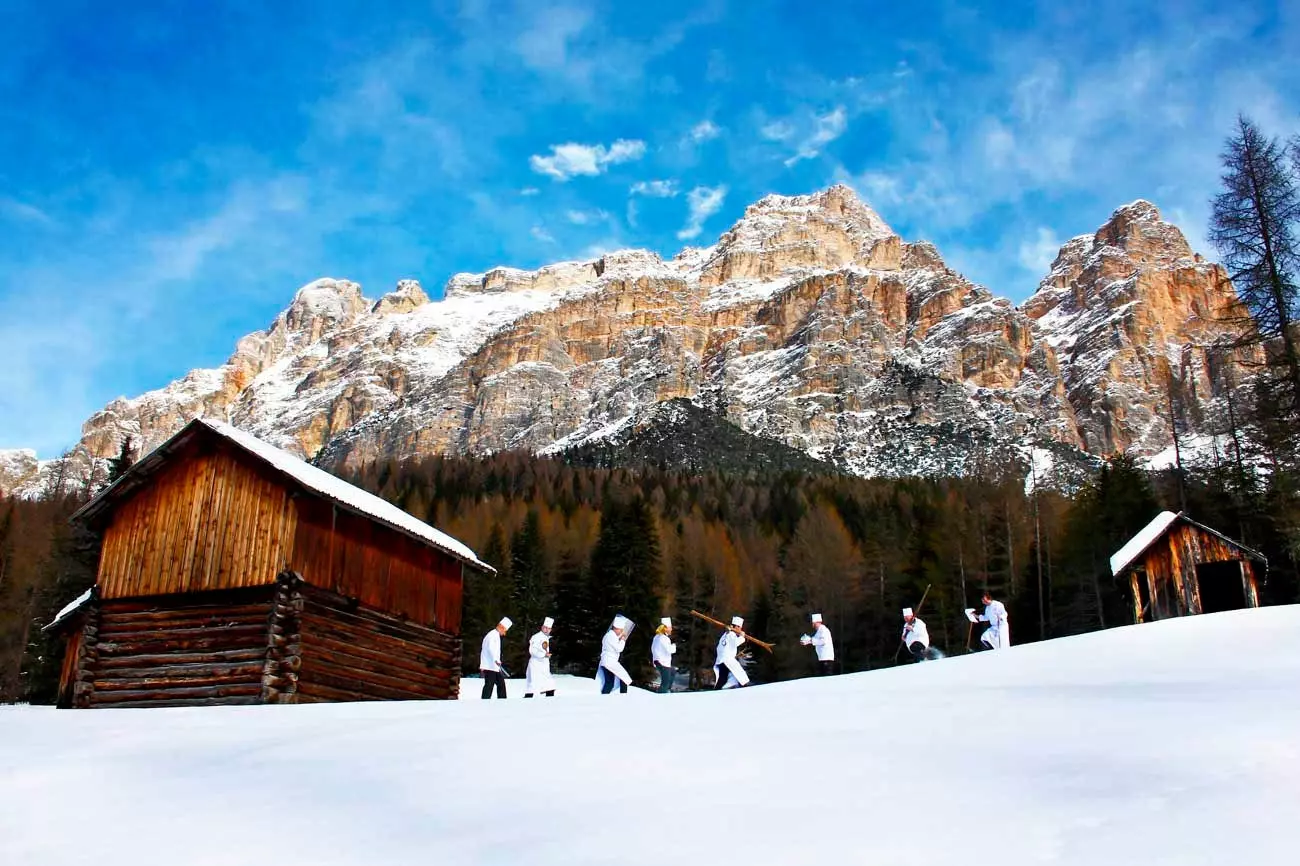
(232, 572)
(1178, 567)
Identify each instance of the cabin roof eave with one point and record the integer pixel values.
(310, 480)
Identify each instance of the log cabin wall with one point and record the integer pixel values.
(1169, 568)
(171, 651)
(208, 520)
(380, 567)
(351, 652)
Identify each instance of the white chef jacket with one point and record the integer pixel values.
(916, 633)
(611, 647)
(821, 639)
(538, 677)
(662, 649)
(998, 635)
(728, 644)
(489, 659)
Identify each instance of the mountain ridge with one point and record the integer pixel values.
(809, 321)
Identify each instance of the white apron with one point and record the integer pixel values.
(537, 677)
(611, 647)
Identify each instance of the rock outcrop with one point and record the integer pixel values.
(810, 322)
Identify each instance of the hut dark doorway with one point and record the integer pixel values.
(1221, 586)
(1144, 593)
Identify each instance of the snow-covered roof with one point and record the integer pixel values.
(70, 608)
(1138, 544)
(315, 480)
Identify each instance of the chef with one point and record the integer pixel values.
(537, 678)
(611, 671)
(727, 668)
(489, 660)
(661, 653)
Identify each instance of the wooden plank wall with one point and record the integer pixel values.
(1170, 567)
(208, 520)
(193, 650)
(358, 558)
(352, 653)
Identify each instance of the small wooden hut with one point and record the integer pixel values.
(1178, 567)
(232, 572)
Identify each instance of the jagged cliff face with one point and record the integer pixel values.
(810, 321)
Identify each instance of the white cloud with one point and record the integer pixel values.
(705, 130)
(586, 217)
(777, 130)
(20, 211)
(541, 234)
(1036, 255)
(529, 190)
(633, 212)
(826, 128)
(655, 188)
(570, 159)
(703, 202)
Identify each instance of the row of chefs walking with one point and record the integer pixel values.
(727, 669)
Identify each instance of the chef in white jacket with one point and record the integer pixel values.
(611, 671)
(661, 653)
(825, 645)
(916, 637)
(998, 634)
(489, 660)
(538, 679)
(727, 668)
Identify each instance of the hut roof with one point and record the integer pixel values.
(311, 479)
(1138, 544)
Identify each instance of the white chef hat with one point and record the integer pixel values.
(548, 622)
(907, 611)
(667, 620)
(738, 621)
(817, 617)
(620, 621)
(505, 621)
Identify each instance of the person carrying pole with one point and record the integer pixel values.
(727, 668)
(916, 637)
(661, 653)
(489, 660)
(825, 645)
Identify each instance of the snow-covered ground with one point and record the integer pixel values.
(1176, 742)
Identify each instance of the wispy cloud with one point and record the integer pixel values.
(1037, 253)
(586, 217)
(21, 212)
(655, 188)
(777, 130)
(705, 130)
(570, 160)
(826, 128)
(702, 203)
(541, 234)
(529, 190)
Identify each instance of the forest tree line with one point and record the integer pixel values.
(582, 543)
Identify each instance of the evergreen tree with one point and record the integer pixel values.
(124, 460)
(625, 574)
(1253, 225)
(486, 598)
(530, 592)
(578, 628)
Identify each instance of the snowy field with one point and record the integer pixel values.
(1171, 743)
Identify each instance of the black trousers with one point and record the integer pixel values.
(550, 693)
(491, 678)
(610, 679)
(666, 677)
(825, 669)
(920, 652)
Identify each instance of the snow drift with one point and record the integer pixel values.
(1173, 742)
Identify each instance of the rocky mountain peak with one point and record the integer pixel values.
(322, 305)
(1138, 229)
(408, 296)
(826, 230)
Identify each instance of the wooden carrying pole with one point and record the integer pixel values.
(749, 637)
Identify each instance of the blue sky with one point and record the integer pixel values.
(170, 172)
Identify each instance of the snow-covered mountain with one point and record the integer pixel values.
(810, 322)
(1159, 743)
